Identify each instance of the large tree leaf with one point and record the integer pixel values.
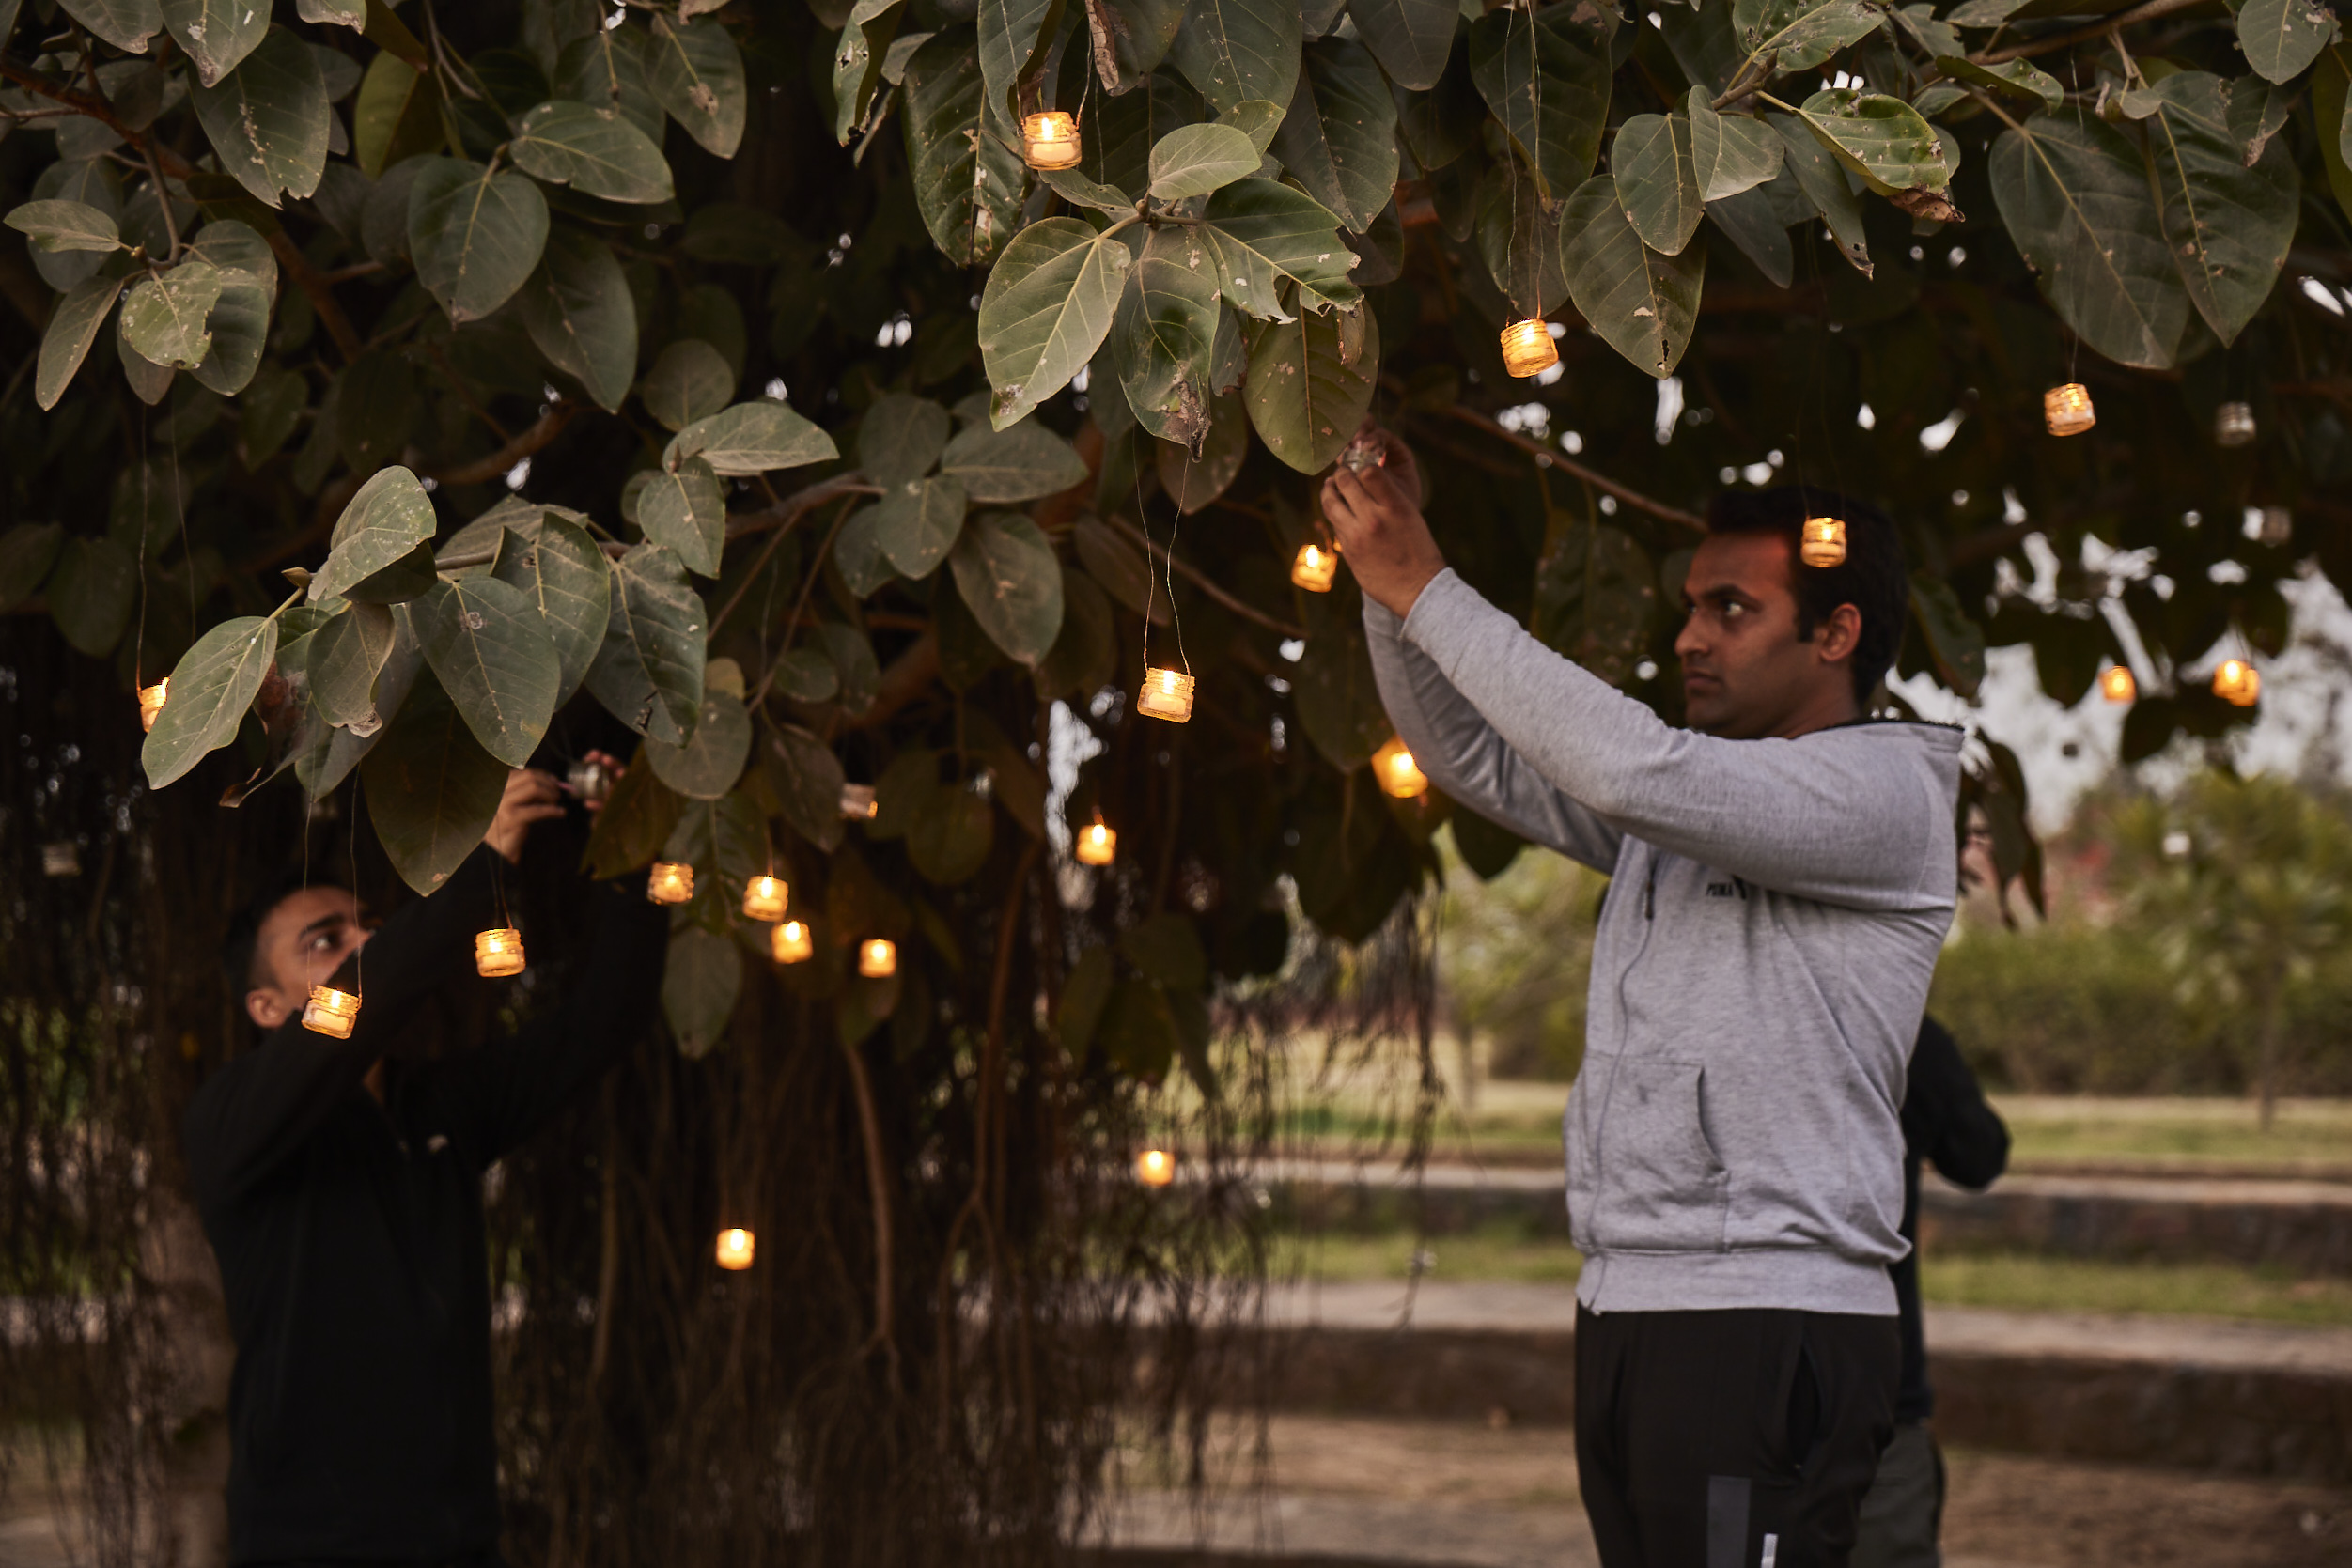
(27, 553)
(1166, 332)
(1310, 385)
(1546, 77)
(1263, 233)
(691, 380)
(2229, 227)
(806, 780)
(1047, 309)
(967, 182)
(2019, 78)
(696, 73)
(918, 522)
(634, 825)
(346, 656)
(700, 981)
(92, 593)
(1883, 139)
(1000, 467)
(1954, 641)
(1644, 304)
(1595, 595)
(648, 673)
(432, 790)
(1825, 184)
(1236, 50)
(489, 649)
(1011, 580)
(751, 438)
(211, 686)
(73, 328)
(127, 24)
(579, 313)
(389, 517)
(475, 235)
(217, 34)
(685, 509)
(1193, 480)
(1752, 223)
(1338, 139)
(1131, 38)
(606, 70)
(601, 153)
(375, 409)
(267, 118)
(240, 325)
(1198, 158)
(561, 570)
(858, 59)
(90, 181)
(57, 226)
(1729, 153)
(396, 117)
(1518, 239)
(164, 316)
(900, 438)
(1409, 38)
(707, 766)
(1339, 705)
(2077, 202)
(1800, 34)
(2282, 37)
(950, 834)
(1009, 39)
(1120, 132)
(1658, 181)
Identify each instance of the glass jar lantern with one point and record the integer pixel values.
(2237, 683)
(498, 952)
(2233, 425)
(857, 803)
(1167, 694)
(1398, 773)
(878, 958)
(1048, 140)
(1823, 542)
(2117, 685)
(151, 700)
(331, 1012)
(764, 898)
(1097, 844)
(735, 1247)
(670, 882)
(1315, 567)
(1155, 1168)
(2066, 410)
(1528, 348)
(790, 943)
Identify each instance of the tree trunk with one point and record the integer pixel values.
(2267, 1056)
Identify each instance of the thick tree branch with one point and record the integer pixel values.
(1594, 477)
(479, 470)
(2098, 29)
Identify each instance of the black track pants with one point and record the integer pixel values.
(1730, 1439)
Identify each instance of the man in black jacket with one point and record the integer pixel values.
(340, 1185)
(1946, 1121)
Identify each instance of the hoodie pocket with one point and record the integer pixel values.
(1663, 1189)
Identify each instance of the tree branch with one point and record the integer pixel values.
(1594, 477)
(2100, 28)
(1240, 607)
(550, 424)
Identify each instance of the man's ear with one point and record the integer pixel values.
(1837, 637)
(267, 1008)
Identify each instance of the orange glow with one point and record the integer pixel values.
(1096, 845)
(1528, 348)
(151, 701)
(2068, 410)
(671, 882)
(878, 958)
(764, 898)
(1155, 1167)
(1167, 694)
(498, 952)
(790, 943)
(735, 1249)
(1315, 567)
(1049, 140)
(331, 1012)
(1402, 777)
(1823, 542)
(2117, 685)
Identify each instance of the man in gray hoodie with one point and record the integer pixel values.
(1784, 871)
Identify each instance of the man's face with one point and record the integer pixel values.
(303, 941)
(1744, 673)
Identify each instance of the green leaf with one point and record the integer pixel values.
(337, 13)
(2076, 200)
(27, 553)
(561, 570)
(1235, 49)
(857, 551)
(127, 24)
(1138, 1032)
(1085, 992)
(164, 315)
(1165, 333)
(2019, 78)
(1339, 706)
(490, 652)
(2333, 116)
(1131, 38)
(1956, 642)
(950, 835)
(807, 778)
(858, 57)
(900, 438)
(1519, 240)
(918, 522)
(1338, 139)
(1595, 595)
(707, 766)
(691, 380)
(696, 73)
(1729, 153)
(606, 70)
(1011, 580)
(1082, 659)
(1409, 38)
(1047, 309)
(806, 675)
(579, 313)
(240, 325)
(92, 595)
(2258, 111)
(396, 117)
(648, 673)
(685, 509)
(54, 227)
(2282, 37)
(1192, 482)
(406, 578)
(853, 656)
(389, 517)
(211, 686)
(634, 826)
(272, 406)
(1010, 36)
(1800, 34)
(376, 402)
(217, 34)
(1166, 947)
(475, 235)
(1257, 119)
(1080, 191)
(1883, 139)
(966, 181)
(431, 789)
(267, 118)
(92, 183)
(2228, 225)
(1752, 222)
(1642, 303)
(1546, 80)
(700, 981)
(1263, 233)
(66, 342)
(1657, 184)
(1198, 158)
(346, 656)
(1825, 184)
(601, 154)
(1027, 463)
(751, 438)
(1310, 385)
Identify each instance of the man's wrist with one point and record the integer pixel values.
(1401, 602)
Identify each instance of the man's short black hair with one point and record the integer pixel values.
(1874, 577)
(238, 947)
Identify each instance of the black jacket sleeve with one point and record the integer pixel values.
(507, 1091)
(1945, 1118)
(260, 1106)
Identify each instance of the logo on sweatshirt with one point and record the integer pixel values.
(1736, 887)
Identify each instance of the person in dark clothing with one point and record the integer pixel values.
(339, 1183)
(1947, 1123)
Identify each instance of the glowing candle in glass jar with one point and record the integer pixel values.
(764, 898)
(671, 882)
(1823, 542)
(498, 952)
(1155, 1168)
(1528, 348)
(857, 802)
(735, 1249)
(1402, 777)
(1049, 140)
(151, 701)
(2237, 682)
(2117, 685)
(1315, 567)
(2068, 410)
(878, 958)
(331, 1012)
(1167, 694)
(1096, 845)
(60, 859)
(2233, 425)
(592, 782)
(790, 943)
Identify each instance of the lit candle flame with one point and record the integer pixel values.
(735, 1247)
(790, 943)
(878, 958)
(764, 898)
(1155, 1168)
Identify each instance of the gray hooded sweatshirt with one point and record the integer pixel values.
(1733, 1138)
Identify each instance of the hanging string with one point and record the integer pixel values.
(138, 646)
(359, 954)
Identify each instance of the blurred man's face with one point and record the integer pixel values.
(301, 942)
(1745, 674)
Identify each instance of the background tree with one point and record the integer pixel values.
(719, 373)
